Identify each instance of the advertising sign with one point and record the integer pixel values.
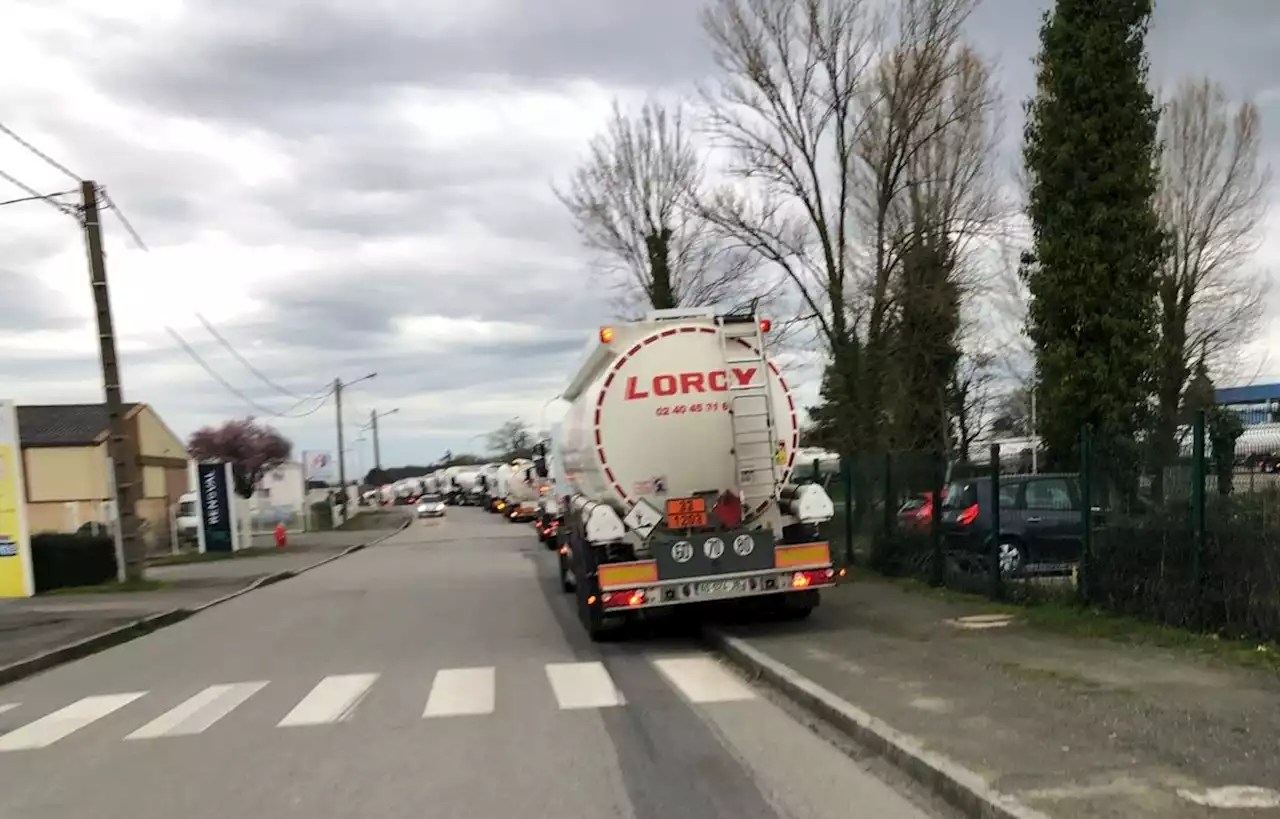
(217, 529)
(318, 466)
(15, 543)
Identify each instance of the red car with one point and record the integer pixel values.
(916, 515)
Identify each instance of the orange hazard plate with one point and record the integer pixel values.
(686, 513)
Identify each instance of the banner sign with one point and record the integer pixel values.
(318, 466)
(214, 488)
(16, 578)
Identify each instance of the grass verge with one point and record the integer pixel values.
(1068, 619)
(183, 558)
(110, 588)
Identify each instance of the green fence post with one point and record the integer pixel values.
(888, 547)
(1086, 513)
(937, 568)
(846, 477)
(1197, 515)
(997, 582)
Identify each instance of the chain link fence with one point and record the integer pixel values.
(1189, 538)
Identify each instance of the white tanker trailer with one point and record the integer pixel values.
(677, 449)
(465, 481)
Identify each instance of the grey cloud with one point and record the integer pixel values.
(305, 57)
(27, 303)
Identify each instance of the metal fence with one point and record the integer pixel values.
(1190, 538)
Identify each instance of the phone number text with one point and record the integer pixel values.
(682, 409)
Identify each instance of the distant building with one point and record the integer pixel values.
(64, 456)
(1257, 404)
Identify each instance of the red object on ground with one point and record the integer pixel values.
(282, 537)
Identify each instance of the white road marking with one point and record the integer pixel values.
(703, 680)
(8, 706)
(461, 691)
(199, 712)
(583, 685)
(332, 700)
(53, 727)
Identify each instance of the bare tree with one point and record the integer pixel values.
(631, 201)
(1212, 200)
(829, 109)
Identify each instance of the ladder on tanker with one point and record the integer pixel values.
(751, 412)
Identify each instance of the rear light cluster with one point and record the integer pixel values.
(549, 528)
(623, 599)
(815, 577)
(967, 516)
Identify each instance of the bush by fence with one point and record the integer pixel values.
(1190, 540)
(66, 560)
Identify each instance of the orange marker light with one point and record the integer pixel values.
(765, 325)
(606, 334)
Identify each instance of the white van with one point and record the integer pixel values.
(188, 518)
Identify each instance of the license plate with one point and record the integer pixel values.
(716, 588)
(686, 513)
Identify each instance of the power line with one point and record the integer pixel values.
(33, 194)
(288, 413)
(213, 331)
(33, 149)
(114, 208)
(36, 198)
(111, 205)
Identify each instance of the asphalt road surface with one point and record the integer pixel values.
(440, 674)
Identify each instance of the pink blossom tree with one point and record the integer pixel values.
(251, 448)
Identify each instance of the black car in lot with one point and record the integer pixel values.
(1041, 525)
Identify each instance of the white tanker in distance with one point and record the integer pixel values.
(677, 450)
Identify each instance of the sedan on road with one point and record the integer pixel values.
(431, 506)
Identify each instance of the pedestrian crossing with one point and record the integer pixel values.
(450, 693)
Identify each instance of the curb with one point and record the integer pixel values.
(959, 786)
(131, 631)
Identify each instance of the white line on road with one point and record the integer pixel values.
(461, 691)
(583, 685)
(53, 727)
(702, 680)
(8, 706)
(199, 712)
(332, 700)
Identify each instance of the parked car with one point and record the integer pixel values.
(1041, 526)
(916, 515)
(430, 506)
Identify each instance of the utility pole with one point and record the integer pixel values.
(338, 386)
(117, 443)
(342, 455)
(373, 425)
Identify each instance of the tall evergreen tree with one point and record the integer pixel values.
(1091, 157)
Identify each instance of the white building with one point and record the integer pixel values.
(280, 497)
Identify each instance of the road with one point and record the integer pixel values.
(441, 673)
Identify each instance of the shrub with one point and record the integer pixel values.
(60, 560)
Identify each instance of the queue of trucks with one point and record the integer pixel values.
(670, 479)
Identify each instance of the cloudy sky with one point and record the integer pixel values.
(350, 186)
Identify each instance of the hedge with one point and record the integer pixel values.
(61, 560)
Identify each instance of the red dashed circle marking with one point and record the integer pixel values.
(625, 357)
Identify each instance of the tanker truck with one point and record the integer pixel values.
(522, 492)
(465, 481)
(677, 452)
(549, 514)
